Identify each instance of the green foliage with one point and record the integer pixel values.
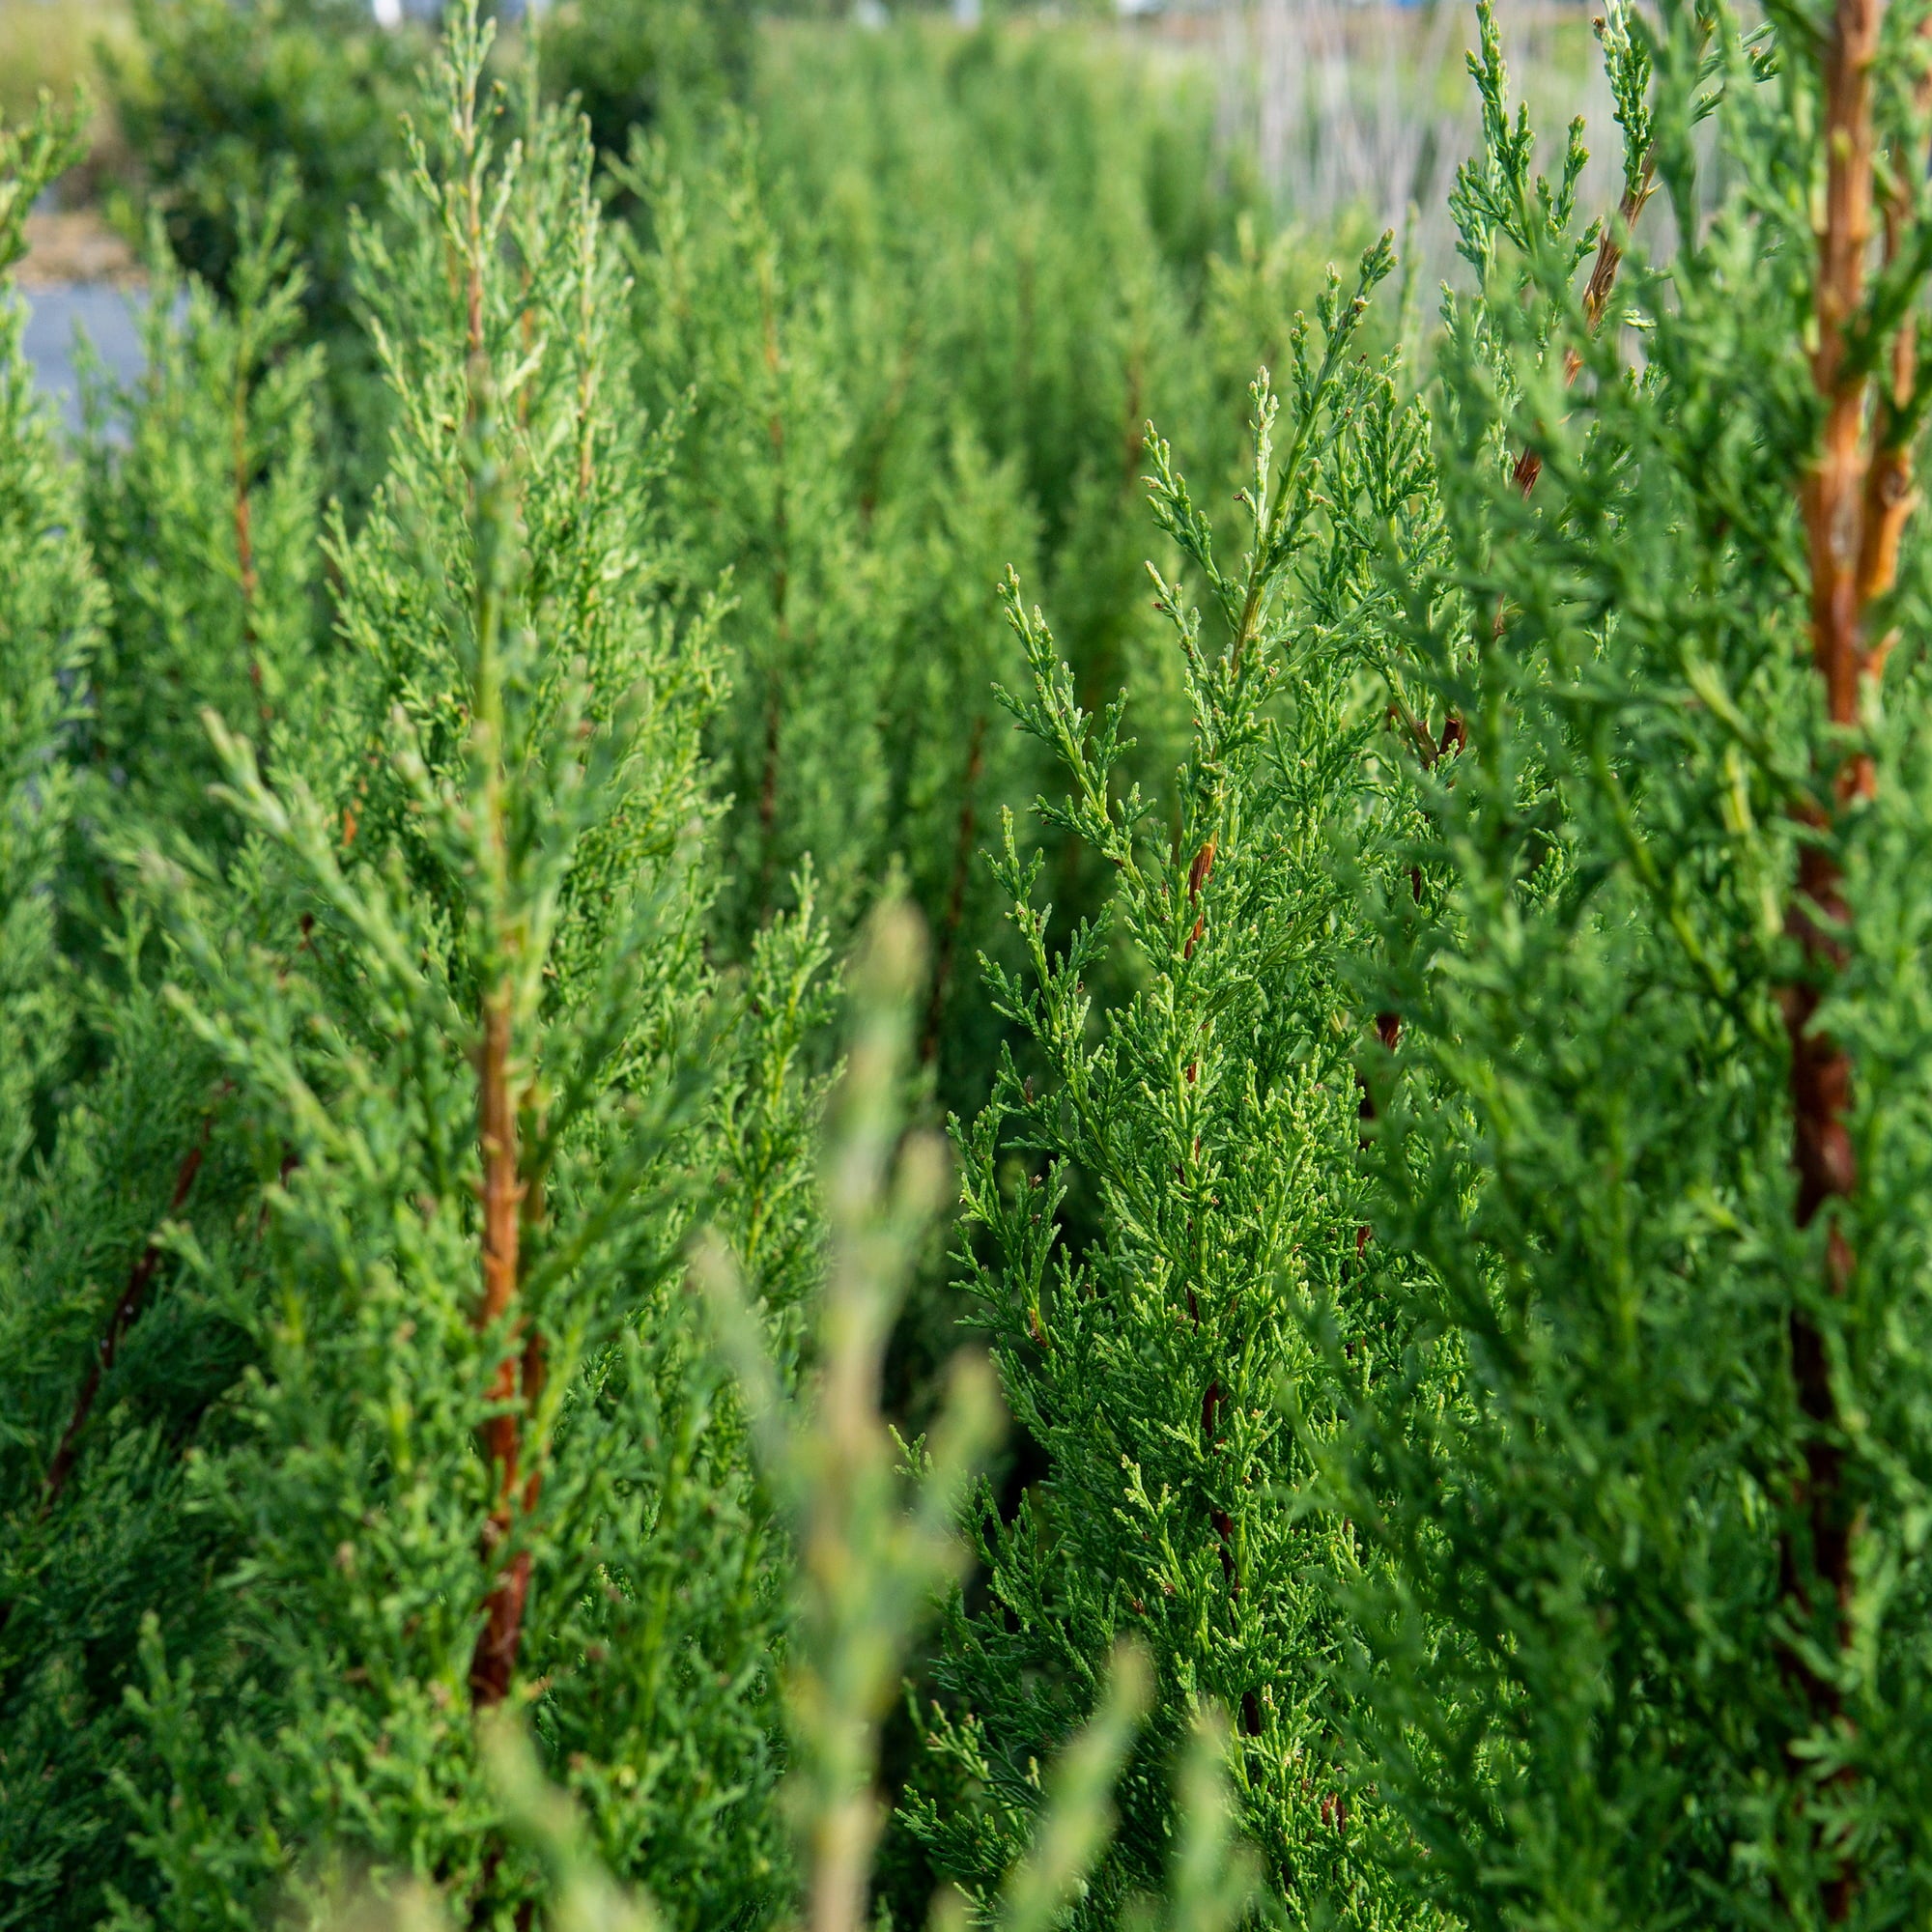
(628, 64)
(225, 98)
(1612, 1621)
(875, 1520)
(220, 425)
(227, 106)
(858, 729)
(205, 518)
(1208, 1126)
(913, 318)
(77, 1157)
(448, 1475)
(31, 158)
(248, 1558)
(49, 613)
(1583, 1415)
(469, 856)
(872, 1548)
(921, 312)
(1015, 233)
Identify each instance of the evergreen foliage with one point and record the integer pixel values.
(228, 105)
(858, 730)
(1625, 1443)
(414, 1088)
(223, 98)
(875, 1522)
(1442, 1118)
(225, 105)
(1649, 1153)
(627, 63)
(1209, 1129)
(211, 454)
(920, 309)
(205, 518)
(49, 613)
(1015, 234)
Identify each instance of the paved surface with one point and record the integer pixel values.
(109, 318)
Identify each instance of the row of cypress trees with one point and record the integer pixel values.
(912, 314)
(1448, 1219)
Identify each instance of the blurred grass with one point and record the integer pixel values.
(1339, 107)
(1368, 108)
(52, 44)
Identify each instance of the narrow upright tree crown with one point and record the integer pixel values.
(1603, 1361)
(1446, 1185)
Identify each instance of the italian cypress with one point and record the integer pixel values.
(377, 1406)
(1639, 1504)
(1205, 1132)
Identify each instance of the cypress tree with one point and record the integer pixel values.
(1450, 1219)
(395, 1417)
(224, 107)
(1207, 1131)
(1639, 1502)
(214, 449)
(876, 1521)
(49, 613)
(1606, 1434)
(632, 63)
(920, 309)
(202, 496)
(859, 640)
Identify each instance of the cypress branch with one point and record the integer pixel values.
(101, 1359)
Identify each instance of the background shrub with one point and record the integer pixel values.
(629, 63)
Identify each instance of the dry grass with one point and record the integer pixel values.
(76, 246)
(51, 45)
(1368, 109)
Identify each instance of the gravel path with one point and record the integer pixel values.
(110, 317)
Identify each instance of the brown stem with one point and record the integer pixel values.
(1224, 1529)
(956, 897)
(1890, 496)
(139, 1278)
(1198, 875)
(768, 785)
(1133, 441)
(1389, 1030)
(472, 282)
(1596, 292)
(496, 1654)
(882, 434)
(244, 539)
(1855, 503)
(1835, 490)
(1603, 281)
(1889, 500)
(482, 1911)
